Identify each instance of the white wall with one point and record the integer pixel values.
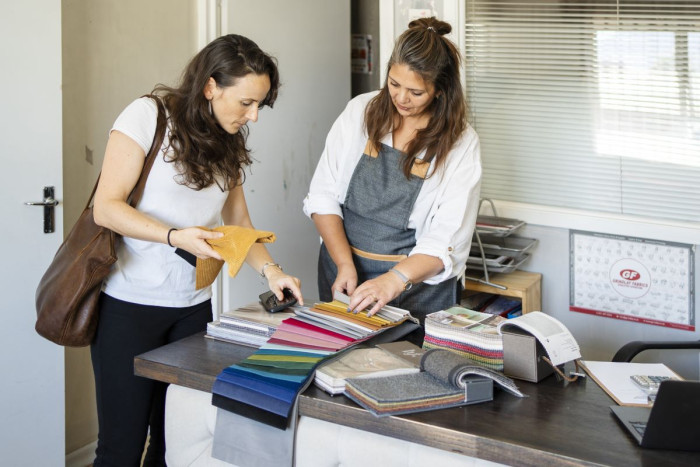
(311, 41)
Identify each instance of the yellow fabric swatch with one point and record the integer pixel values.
(342, 309)
(284, 358)
(347, 316)
(233, 247)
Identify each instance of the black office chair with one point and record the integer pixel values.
(628, 351)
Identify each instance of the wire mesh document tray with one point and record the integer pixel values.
(512, 246)
(497, 226)
(490, 260)
(494, 256)
(502, 268)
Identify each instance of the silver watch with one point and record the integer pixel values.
(407, 284)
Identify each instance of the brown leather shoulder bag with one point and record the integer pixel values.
(68, 293)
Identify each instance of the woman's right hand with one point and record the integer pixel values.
(346, 280)
(194, 240)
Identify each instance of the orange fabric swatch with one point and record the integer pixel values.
(233, 247)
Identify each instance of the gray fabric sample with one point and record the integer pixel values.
(451, 368)
(247, 443)
(400, 388)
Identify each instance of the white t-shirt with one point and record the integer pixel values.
(151, 273)
(445, 211)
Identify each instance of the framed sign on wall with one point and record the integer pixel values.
(632, 279)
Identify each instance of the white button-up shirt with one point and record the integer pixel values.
(445, 211)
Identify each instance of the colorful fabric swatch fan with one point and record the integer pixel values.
(265, 385)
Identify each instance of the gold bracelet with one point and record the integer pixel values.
(262, 271)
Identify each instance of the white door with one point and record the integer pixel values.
(32, 369)
(311, 41)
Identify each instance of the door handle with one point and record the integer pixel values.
(49, 203)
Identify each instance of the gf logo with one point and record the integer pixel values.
(629, 274)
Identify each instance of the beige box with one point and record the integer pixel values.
(522, 356)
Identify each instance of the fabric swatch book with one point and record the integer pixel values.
(472, 334)
(446, 380)
(250, 325)
(363, 363)
(265, 385)
(223, 332)
(405, 350)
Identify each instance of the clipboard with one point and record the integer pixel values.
(614, 379)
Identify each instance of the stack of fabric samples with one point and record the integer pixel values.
(446, 380)
(469, 333)
(382, 360)
(265, 385)
(250, 325)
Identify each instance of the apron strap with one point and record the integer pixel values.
(378, 257)
(371, 149)
(418, 169)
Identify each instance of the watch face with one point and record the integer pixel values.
(407, 285)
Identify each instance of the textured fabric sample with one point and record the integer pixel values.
(233, 247)
(447, 380)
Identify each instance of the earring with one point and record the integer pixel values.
(210, 111)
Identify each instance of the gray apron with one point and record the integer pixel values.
(376, 210)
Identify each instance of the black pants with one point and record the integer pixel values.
(128, 405)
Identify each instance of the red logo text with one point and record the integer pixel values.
(630, 274)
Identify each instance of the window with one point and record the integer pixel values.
(590, 105)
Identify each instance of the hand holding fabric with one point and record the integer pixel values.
(195, 240)
(346, 279)
(373, 294)
(233, 247)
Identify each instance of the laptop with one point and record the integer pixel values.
(673, 422)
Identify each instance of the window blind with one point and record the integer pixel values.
(590, 105)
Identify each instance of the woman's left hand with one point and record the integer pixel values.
(373, 294)
(277, 280)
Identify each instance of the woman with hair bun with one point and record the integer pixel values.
(149, 298)
(396, 191)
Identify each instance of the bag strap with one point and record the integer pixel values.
(137, 192)
(158, 137)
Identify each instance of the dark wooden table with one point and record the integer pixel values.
(558, 424)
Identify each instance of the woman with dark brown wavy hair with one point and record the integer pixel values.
(396, 191)
(149, 299)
